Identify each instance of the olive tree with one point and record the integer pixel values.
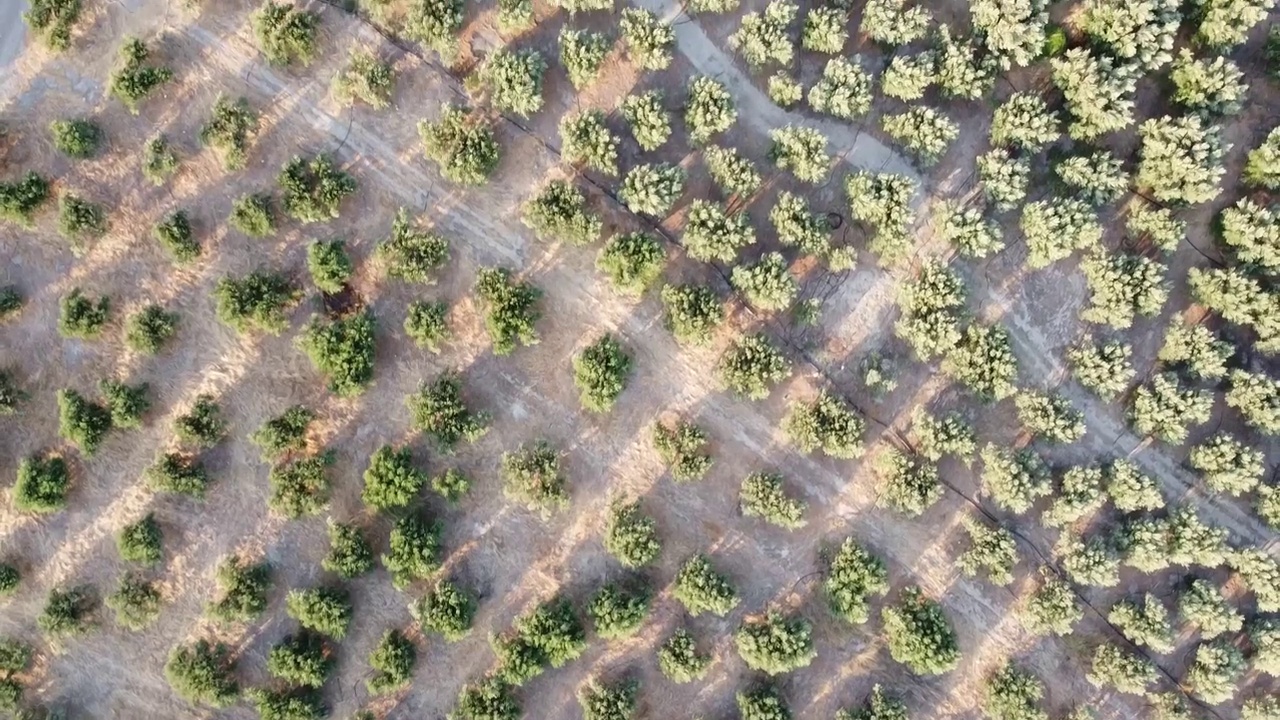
(1262, 168)
(1049, 416)
(891, 22)
(932, 306)
(1240, 299)
(801, 150)
(1056, 227)
(925, 133)
(1052, 608)
(701, 589)
(584, 140)
(1013, 31)
(1180, 160)
(1013, 694)
(854, 576)
(1202, 604)
(514, 80)
(713, 234)
(775, 644)
(462, 145)
(1014, 479)
(907, 483)
(559, 212)
(844, 90)
(649, 40)
(1142, 31)
(1227, 465)
(764, 37)
(1121, 669)
(582, 53)
(1079, 495)
(1024, 121)
(1097, 178)
(1099, 92)
(648, 120)
(883, 201)
(708, 110)
(1252, 231)
(1105, 368)
(652, 189)
(766, 284)
(732, 173)
(969, 230)
(825, 423)
(1092, 562)
(1123, 286)
(824, 30)
(908, 76)
(992, 550)
(962, 71)
(1165, 409)
(1257, 397)
(1223, 24)
(1196, 350)
(1146, 623)
(1215, 671)
(983, 361)
(1211, 88)
(1004, 178)
(1157, 225)
(919, 635)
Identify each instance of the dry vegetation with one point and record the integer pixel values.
(901, 361)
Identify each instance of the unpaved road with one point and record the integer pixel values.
(13, 31)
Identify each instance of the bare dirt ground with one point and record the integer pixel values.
(511, 557)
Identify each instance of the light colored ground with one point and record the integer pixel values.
(509, 556)
(12, 30)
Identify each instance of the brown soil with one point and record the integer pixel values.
(511, 557)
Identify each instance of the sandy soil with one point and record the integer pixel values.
(511, 557)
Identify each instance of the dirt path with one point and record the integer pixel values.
(13, 32)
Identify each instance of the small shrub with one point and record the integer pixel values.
(680, 447)
(285, 34)
(692, 313)
(447, 610)
(175, 473)
(350, 554)
(256, 302)
(584, 140)
(766, 284)
(133, 79)
(10, 578)
(159, 161)
(510, 309)
(992, 550)
(302, 659)
(242, 589)
(365, 79)
(919, 634)
(127, 403)
(11, 396)
(202, 425)
(78, 139)
(649, 122)
(700, 588)
(136, 603)
(81, 316)
(329, 265)
(1052, 608)
(514, 79)
(342, 350)
(67, 613)
(439, 411)
(324, 610)
(649, 41)
(80, 220)
(253, 215)
(42, 484)
(141, 542)
(775, 644)
(283, 434)
(907, 484)
(392, 661)
(709, 110)
(201, 673)
(617, 612)
(854, 576)
(11, 302)
(461, 144)
(559, 213)
(391, 481)
(427, 325)
(751, 366)
(762, 496)
(532, 477)
(451, 485)
(300, 487)
(19, 200)
(229, 131)
(83, 422)
(53, 20)
(711, 234)
(175, 234)
(413, 550)
(412, 255)
(679, 659)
